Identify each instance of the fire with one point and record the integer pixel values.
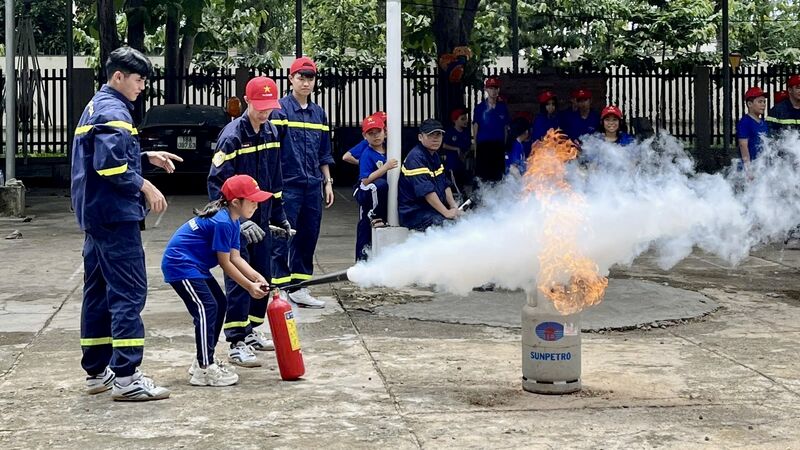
(570, 280)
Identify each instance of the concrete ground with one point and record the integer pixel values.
(394, 370)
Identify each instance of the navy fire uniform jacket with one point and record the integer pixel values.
(422, 172)
(783, 116)
(107, 163)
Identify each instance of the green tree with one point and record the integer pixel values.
(766, 30)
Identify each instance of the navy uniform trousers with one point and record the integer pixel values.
(244, 312)
(114, 292)
(293, 260)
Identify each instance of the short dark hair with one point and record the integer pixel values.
(128, 60)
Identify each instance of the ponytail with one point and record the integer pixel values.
(211, 208)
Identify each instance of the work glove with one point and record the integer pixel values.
(283, 230)
(252, 233)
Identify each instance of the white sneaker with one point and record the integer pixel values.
(101, 382)
(304, 299)
(141, 389)
(259, 341)
(213, 375)
(223, 365)
(243, 355)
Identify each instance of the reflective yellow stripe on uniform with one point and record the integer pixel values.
(306, 125)
(89, 342)
(127, 342)
(784, 121)
(282, 280)
(242, 324)
(301, 276)
(220, 157)
(114, 123)
(257, 320)
(422, 171)
(113, 170)
(278, 194)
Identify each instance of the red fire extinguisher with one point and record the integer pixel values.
(284, 335)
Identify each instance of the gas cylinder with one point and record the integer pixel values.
(284, 335)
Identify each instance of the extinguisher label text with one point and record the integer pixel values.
(291, 328)
(541, 356)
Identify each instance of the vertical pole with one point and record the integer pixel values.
(11, 93)
(298, 28)
(70, 65)
(515, 35)
(394, 67)
(726, 82)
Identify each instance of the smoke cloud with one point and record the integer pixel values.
(633, 199)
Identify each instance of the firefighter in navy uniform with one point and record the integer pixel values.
(108, 196)
(786, 116)
(250, 145)
(305, 160)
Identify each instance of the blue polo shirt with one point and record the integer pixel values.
(542, 124)
(752, 129)
(192, 251)
(358, 149)
(576, 126)
(369, 162)
(460, 139)
(422, 172)
(492, 122)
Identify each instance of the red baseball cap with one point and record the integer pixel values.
(262, 93)
(492, 82)
(244, 186)
(754, 92)
(304, 65)
(781, 96)
(457, 112)
(546, 96)
(611, 110)
(372, 122)
(794, 80)
(582, 94)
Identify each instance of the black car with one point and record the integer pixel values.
(189, 131)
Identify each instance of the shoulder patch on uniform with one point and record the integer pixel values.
(218, 158)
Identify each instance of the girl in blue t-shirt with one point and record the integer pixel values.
(208, 240)
(612, 127)
(516, 158)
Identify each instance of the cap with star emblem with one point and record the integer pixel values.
(262, 94)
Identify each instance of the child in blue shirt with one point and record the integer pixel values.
(752, 126)
(373, 190)
(456, 144)
(515, 158)
(208, 240)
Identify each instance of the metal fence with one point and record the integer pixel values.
(667, 98)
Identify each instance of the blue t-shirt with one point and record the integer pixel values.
(751, 129)
(460, 139)
(491, 122)
(576, 126)
(192, 251)
(369, 162)
(358, 149)
(542, 124)
(516, 157)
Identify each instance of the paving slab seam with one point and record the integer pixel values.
(733, 360)
(588, 407)
(10, 370)
(780, 263)
(378, 370)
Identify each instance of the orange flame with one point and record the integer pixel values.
(570, 280)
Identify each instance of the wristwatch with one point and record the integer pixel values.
(327, 181)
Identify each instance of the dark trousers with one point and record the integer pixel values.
(422, 220)
(490, 163)
(243, 311)
(206, 303)
(371, 205)
(114, 293)
(293, 260)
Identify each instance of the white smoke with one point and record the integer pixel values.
(635, 198)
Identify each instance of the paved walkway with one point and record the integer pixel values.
(391, 369)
